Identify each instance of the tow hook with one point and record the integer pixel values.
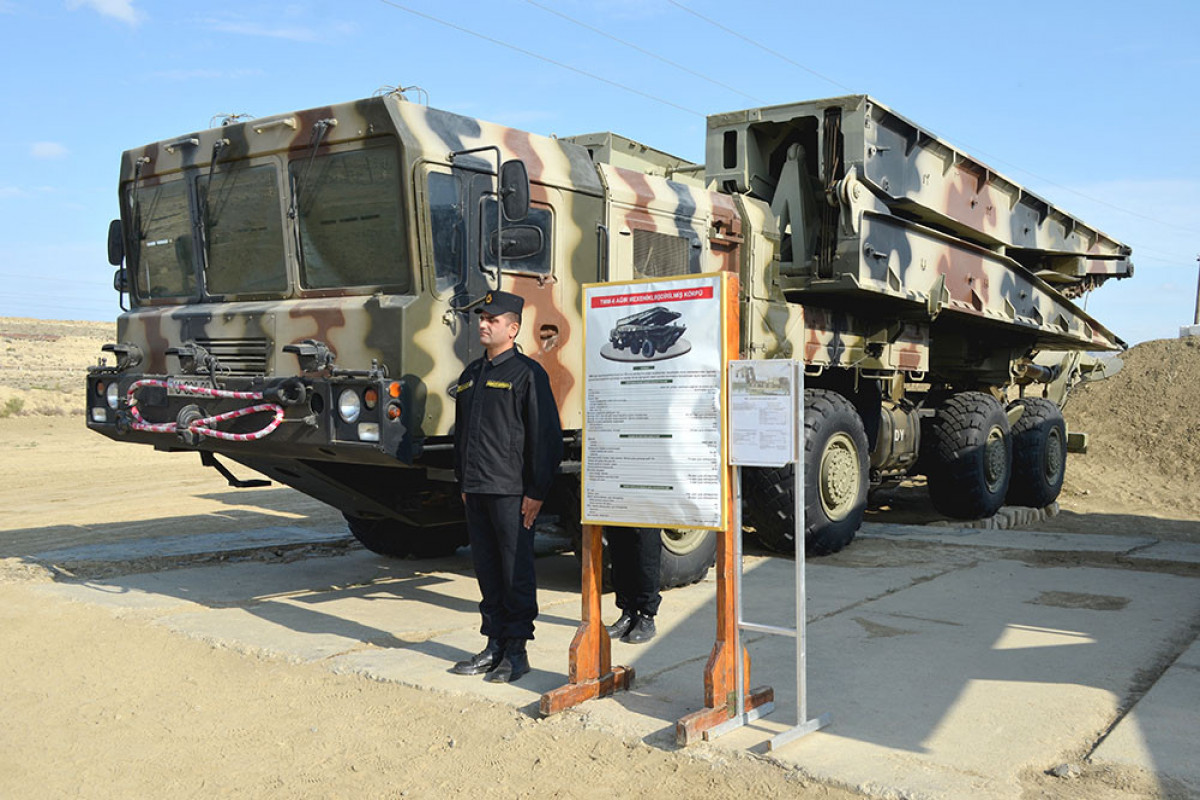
(290, 392)
(189, 415)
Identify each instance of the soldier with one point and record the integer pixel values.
(507, 446)
(636, 553)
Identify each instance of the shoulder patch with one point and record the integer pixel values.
(462, 387)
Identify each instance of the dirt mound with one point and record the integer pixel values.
(1144, 432)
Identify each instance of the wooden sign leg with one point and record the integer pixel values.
(590, 673)
(720, 674)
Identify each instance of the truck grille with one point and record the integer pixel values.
(238, 356)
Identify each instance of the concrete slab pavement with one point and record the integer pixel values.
(1161, 734)
(1030, 541)
(277, 536)
(948, 675)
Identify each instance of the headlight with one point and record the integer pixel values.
(99, 414)
(113, 395)
(349, 406)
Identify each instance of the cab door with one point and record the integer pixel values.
(460, 277)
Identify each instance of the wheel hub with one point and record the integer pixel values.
(839, 478)
(995, 459)
(1054, 456)
(681, 542)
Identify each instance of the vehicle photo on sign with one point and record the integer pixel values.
(654, 435)
(654, 334)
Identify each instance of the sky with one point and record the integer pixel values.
(1090, 104)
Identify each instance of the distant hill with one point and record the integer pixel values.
(43, 364)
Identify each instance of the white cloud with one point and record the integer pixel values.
(48, 150)
(122, 10)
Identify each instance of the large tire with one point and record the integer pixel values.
(686, 556)
(968, 456)
(389, 537)
(836, 461)
(1039, 440)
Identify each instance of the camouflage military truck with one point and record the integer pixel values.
(300, 290)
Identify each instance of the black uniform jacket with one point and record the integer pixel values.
(507, 435)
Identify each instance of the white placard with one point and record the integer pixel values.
(762, 413)
(653, 450)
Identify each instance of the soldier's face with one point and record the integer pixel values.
(497, 331)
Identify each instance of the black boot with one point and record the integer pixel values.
(622, 625)
(484, 661)
(514, 664)
(642, 630)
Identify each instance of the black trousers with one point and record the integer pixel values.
(636, 554)
(502, 549)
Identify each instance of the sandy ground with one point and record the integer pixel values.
(97, 705)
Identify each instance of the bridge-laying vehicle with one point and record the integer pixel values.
(299, 292)
(647, 332)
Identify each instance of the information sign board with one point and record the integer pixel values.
(654, 366)
(762, 413)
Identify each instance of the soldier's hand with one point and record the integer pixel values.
(529, 511)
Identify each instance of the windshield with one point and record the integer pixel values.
(350, 219)
(243, 229)
(164, 242)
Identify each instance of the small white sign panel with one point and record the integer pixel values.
(762, 413)
(653, 448)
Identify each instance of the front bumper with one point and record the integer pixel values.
(313, 426)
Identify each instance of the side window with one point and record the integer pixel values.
(527, 244)
(447, 228)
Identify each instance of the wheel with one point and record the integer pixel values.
(835, 485)
(968, 456)
(647, 348)
(768, 506)
(1039, 442)
(686, 556)
(389, 537)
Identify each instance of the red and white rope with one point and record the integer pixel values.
(202, 425)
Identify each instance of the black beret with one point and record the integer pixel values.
(497, 302)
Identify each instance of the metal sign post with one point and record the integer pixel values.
(766, 429)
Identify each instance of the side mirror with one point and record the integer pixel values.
(116, 243)
(516, 243)
(121, 281)
(514, 190)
